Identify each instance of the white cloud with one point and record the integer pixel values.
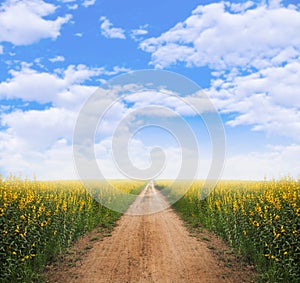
(63, 88)
(117, 70)
(137, 34)
(73, 96)
(55, 162)
(254, 55)
(1, 49)
(31, 85)
(79, 34)
(241, 7)
(273, 4)
(277, 161)
(73, 7)
(222, 39)
(39, 130)
(57, 59)
(143, 105)
(23, 22)
(109, 31)
(139, 155)
(88, 3)
(268, 99)
(38, 142)
(189, 105)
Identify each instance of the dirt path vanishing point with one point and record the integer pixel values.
(150, 248)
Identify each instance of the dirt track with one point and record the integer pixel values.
(151, 248)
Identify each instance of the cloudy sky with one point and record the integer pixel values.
(245, 55)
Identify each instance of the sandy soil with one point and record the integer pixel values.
(152, 248)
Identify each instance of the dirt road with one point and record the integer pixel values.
(151, 248)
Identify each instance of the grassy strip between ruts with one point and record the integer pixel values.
(260, 220)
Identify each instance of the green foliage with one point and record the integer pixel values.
(39, 220)
(261, 220)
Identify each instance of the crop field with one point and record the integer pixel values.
(39, 220)
(261, 220)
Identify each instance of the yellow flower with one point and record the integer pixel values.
(23, 235)
(44, 223)
(274, 257)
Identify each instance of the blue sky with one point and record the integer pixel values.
(245, 55)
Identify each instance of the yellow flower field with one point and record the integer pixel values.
(261, 220)
(39, 220)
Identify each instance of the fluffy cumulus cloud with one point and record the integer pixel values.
(65, 87)
(109, 31)
(55, 162)
(39, 129)
(62, 88)
(24, 22)
(254, 56)
(40, 141)
(250, 48)
(223, 35)
(267, 99)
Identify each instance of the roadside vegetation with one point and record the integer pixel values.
(260, 220)
(39, 220)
